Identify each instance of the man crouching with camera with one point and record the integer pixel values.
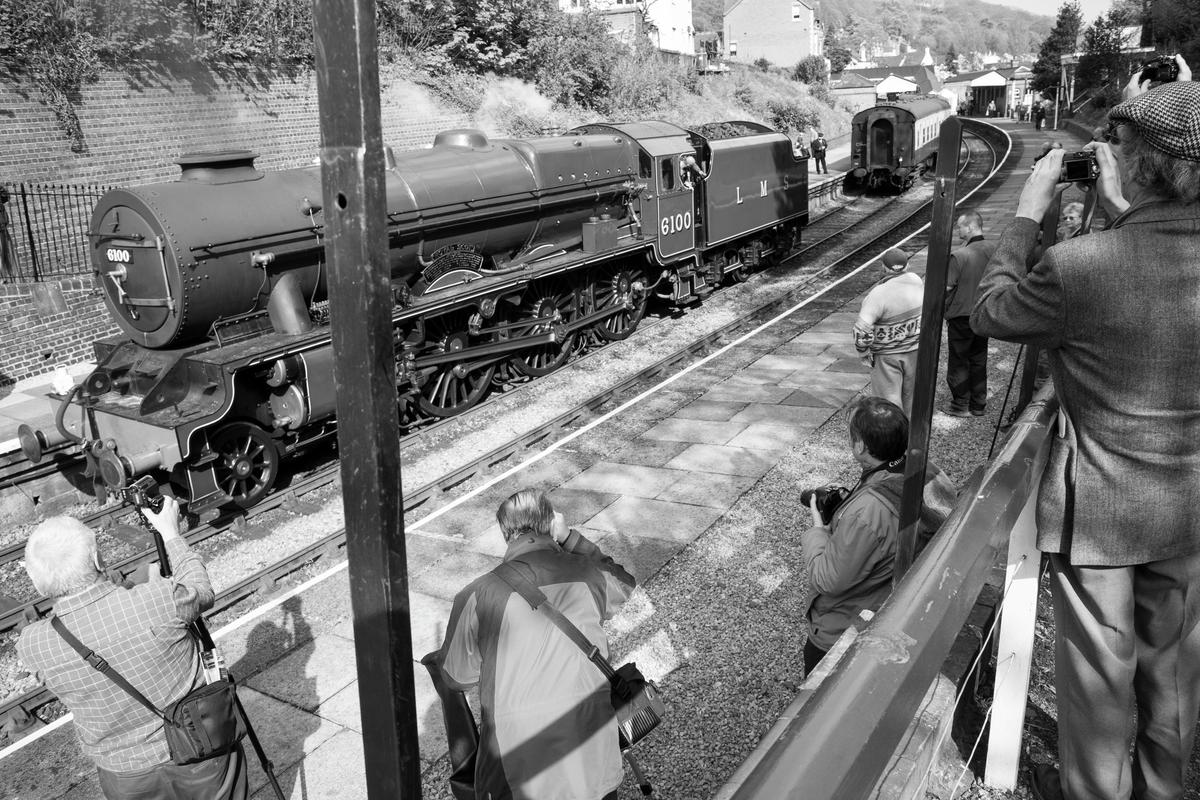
(142, 632)
(850, 550)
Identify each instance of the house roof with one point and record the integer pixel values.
(969, 77)
(924, 77)
(850, 80)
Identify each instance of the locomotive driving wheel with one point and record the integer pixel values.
(621, 287)
(247, 462)
(452, 388)
(550, 304)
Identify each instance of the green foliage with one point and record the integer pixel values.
(1175, 28)
(495, 35)
(643, 83)
(574, 58)
(262, 32)
(950, 62)
(1102, 65)
(811, 70)
(762, 64)
(45, 42)
(708, 15)
(1060, 41)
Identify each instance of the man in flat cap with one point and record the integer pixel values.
(888, 330)
(1119, 504)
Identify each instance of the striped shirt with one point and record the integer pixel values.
(142, 632)
(890, 319)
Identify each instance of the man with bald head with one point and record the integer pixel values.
(966, 350)
(142, 632)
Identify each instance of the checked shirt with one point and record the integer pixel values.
(142, 632)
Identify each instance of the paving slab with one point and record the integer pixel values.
(318, 669)
(693, 430)
(762, 436)
(651, 453)
(724, 460)
(625, 479)
(732, 392)
(831, 397)
(428, 615)
(287, 733)
(709, 489)
(642, 556)
(333, 771)
(445, 578)
(709, 410)
(802, 416)
(657, 519)
(823, 380)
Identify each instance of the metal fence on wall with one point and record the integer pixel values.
(43, 230)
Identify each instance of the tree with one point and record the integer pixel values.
(810, 70)
(1101, 62)
(1060, 41)
(1175, 28)
(950, 62)
(838, 55)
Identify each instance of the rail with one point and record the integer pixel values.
(43, 230)
(837, 740)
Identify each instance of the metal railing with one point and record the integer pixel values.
(837, 740)
(43, 230)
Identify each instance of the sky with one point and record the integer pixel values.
(1091, 8)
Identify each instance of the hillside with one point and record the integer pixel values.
(967, 25)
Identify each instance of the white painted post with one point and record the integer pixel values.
(1014, 652)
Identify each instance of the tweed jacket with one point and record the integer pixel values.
(1117, 312)
(963, 275)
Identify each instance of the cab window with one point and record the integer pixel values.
(667, 174)
(645, 165)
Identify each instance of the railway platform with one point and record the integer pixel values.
(695, 495)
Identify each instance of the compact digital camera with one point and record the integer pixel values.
(1079, 167)
(139, 494)
(1162, 69)
(829, 499)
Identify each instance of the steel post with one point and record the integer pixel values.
(360, 292)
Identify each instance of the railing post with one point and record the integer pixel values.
(930, 344)
(33, 256)
(8, 257)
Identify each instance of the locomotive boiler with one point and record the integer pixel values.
(895, 141)
(503, 255)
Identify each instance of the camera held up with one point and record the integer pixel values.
(1162, 69)
(138, 494)
(829, 499)
(1080, 167)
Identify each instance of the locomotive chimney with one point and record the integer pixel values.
(468, 138)
(225, 166)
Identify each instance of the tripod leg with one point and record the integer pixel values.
(267, 766)
(639, 776)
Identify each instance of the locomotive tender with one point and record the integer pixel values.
(503, 254)
(893, 142)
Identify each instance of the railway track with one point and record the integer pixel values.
(900, 223)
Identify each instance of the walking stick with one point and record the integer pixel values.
(137, 496)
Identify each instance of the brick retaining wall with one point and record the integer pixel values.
(135, 128)
(29, 332)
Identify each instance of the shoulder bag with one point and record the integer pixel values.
(637, 701)
(202, 724)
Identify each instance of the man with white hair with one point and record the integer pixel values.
(548, 730)
(142, 632)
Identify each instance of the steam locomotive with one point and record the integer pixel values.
(895, 141)
(503, 255)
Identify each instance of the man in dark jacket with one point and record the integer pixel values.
(1119, 504)
(819, 146)
(966, 356)
(548, 728)
(850, 559)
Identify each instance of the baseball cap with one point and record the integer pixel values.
(894, 260)
(1167, 117)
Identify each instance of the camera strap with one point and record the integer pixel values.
(98, 663)
(538, 602)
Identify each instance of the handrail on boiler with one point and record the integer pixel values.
(836, 743)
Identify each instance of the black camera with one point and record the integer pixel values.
(1079, 167)
(139, 494)
(1163, 69)
(829, 499)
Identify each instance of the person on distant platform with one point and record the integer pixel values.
(966, 351)
(819, 146)
(1118, 513)
(888, 330)
(142, 631)
(991, 108)
(850, 559)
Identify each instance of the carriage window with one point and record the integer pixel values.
(645, 165)
(668, 175)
